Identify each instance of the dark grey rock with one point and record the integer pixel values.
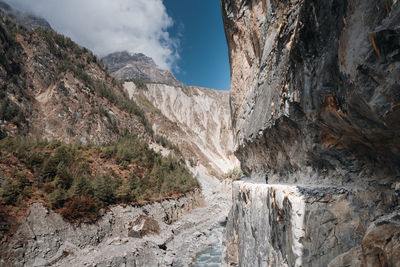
(315, 103)
(315, 89)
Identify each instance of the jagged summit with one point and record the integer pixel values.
(126, 66)
(29, 21)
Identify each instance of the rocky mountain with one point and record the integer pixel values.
(80, 179)
(315, 96)
(126, 66)
(197, 119)
(29, 21)
(53, 88)
(72, 140)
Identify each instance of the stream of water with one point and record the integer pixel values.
(211, 257)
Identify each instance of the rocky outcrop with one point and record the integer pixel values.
(315, 98)
(126, 66)
(29, 21)
(315, 88)
(283, 225)
(44, 238)
(198, 119)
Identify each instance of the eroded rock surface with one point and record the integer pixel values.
(315, 88)
(44, 238)
(288, 225)
(315, 98)
(198, 119)
(126, 66)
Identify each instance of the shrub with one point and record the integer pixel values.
(172, 176)
(108, 152)
(162, 140)
(140, 84)
(49, 169)
(57, 198)
(192, 162)
(62, 175)
(81, 186)
(139, 185)
(9, 111)
(81, 209)
(103, 189)
(129, 148)
(14, 190)
(9, 193)
(123, 193)
(3, 134)
(234, 174)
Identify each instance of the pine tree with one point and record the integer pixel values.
(9, 192)
(124, 191)
(81, 186)
(103, 189)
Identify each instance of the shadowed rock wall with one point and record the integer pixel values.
(315, 88)
(316, 105)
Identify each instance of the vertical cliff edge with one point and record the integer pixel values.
(316, 102)
(316, 86)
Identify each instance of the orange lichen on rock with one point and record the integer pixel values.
(371, 39)
(330, 140)
(330, 103)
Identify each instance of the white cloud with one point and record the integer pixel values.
(107, 26)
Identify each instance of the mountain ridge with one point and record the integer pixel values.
(129, 66)
(27, 20)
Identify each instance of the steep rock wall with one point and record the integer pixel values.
(198, 119)
(315, 97)
(315, 88)
(282, 225)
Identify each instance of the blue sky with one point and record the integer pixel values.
(203, 50)
(184, 36)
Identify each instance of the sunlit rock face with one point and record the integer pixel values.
(315, 88)
(315, 99)
(197, 119)
(288, 225)
(126, 66)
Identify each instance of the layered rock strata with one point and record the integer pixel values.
(196, 118)
(46, 239)
(287, 225)
(315, 88)
(315, 99)
(126, 66)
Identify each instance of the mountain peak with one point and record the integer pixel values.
(126, 66)
(27, 20)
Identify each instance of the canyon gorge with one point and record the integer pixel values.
(314, 106)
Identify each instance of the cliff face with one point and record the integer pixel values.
(126, 66)
(198, 119)
(315, 97)
(281, 225)
(315, 88)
